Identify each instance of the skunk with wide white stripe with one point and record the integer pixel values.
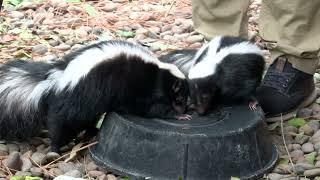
(70, 95)
(228, 69)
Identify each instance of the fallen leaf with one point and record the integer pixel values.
(310, 158)
(296, 122)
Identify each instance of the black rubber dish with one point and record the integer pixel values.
(232, 141)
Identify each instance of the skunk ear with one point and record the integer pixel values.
(176, 86)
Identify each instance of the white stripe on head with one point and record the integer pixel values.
(212, 46)
(88, 59)
(208, 64)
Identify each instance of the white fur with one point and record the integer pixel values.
(207, 66)
(83, 63)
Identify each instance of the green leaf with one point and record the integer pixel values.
(296, 122)
(235, 178)
(310, 158)
(124, 178)
(283, 161)
(127, 34)
(33, 178)
(17, 178)
(90, 10)
(73, 1)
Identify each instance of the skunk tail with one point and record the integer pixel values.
(23, 88)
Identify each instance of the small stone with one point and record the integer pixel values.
(306, 129)
(296, 146)
(95, 173)
(13, 161)
(275, 176)
(299, 168)
(109, 7)
(307, 147)
(301, 139)
(66, 167)
(317, 178)
(64, 177)
(304, 112)
(317, 146)
(26, 164)
(52, 156)
(76, 46)
(316, 135)
(63, 47)
(56, 171)
(290, 130)
(103, 177)
(36, 171)
(317, 164)
(182, 36)
(314, 124)
(13, 147)
(312, 172)
(20, 173)
(155, 48)
(315, 108)
(38, 157)
(17, 14)
(53, 42)
(4, 150)
(75, 9)
(111, 177)
(296, 154)
(91, 166)
(177, 30)
(195, 38)
(40, 49)
(74, 173)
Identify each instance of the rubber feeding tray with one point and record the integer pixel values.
(232, 141)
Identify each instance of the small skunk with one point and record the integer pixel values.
(70, 95)
(227, 68)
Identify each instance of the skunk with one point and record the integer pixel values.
(71, 94)
(227, 69)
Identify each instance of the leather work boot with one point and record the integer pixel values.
(284, 90)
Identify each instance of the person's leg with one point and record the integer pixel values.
(220, 17)
(292, 30)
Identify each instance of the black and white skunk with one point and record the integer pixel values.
(227, 69)
(70, 95)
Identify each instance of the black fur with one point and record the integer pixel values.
(124, 83)
(235, 79)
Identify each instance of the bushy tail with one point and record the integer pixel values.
(23, 87)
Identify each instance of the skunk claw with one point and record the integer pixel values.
(184, 117)
(253, 105)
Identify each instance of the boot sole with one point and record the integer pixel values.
(306, 102)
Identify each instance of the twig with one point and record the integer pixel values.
(84, 147)
(167, 13)
(41, 167)
(285, 144)
(7, 169)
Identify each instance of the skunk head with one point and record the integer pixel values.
(202, 93)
